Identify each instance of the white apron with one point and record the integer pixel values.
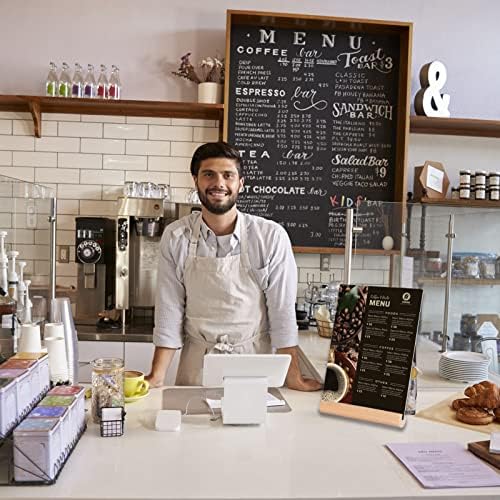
(225, 308)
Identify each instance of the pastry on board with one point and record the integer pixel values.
(481, 407)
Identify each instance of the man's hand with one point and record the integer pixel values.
(161, 361)
(294, 378)
(154, 381)
(302, 384)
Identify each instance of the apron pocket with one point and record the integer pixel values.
(262, 277)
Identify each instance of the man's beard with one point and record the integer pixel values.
(220, 207)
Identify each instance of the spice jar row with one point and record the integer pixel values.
(478, 185)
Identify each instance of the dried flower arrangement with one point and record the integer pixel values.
(210, 69)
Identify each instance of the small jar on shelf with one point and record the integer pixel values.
(480, 192)
(464, 191)
(494, 193)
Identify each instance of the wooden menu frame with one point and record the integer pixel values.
(402, 30)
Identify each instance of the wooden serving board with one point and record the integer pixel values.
(444, 413)
(482, 450)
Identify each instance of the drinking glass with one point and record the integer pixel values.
(38, 310)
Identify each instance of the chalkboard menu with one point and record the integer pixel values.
(318, 108)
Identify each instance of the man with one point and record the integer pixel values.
(226, 280)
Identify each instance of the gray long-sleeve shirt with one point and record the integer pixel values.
(273, 265)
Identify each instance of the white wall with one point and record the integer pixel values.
(146, 39)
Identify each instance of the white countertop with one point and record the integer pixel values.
(296, 455)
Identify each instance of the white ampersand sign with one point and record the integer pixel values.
(429, 101)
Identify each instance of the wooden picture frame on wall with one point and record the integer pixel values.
(319, 107)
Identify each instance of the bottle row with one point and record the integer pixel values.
(81, 85)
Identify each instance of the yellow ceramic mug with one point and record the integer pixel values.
(134, 384)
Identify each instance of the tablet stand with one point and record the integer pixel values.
(245, 400)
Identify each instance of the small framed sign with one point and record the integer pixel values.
(431, 181)
(371, 354)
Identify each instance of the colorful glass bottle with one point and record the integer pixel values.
(102, 84)
(64, 87)
(115, 86)
(89, 86)
(77, 83)
(51, 82)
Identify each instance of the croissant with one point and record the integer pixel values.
(477, 389)
(483, 395)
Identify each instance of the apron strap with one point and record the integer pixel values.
(245, 261)
(195, 235)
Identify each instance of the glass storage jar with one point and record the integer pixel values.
(471, 266)
(465, 176)
(494, 179)
(480, 192)
(464, 191)
(107, 385)
(480, 177)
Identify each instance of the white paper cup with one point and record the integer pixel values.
(58, 364)
(30, 338)
(53, 330)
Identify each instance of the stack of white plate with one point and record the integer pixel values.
(464, 366)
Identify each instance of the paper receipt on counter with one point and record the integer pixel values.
(271, 400)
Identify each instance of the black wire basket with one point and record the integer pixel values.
(114, 427)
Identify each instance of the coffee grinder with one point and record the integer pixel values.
(95, 254)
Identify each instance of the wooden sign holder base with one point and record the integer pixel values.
(363, 413)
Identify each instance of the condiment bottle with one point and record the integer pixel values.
(115, 86)
(102, 84)
(64, 87)
(51, 83)
(89, 85)
(77, 85)
(12, 274)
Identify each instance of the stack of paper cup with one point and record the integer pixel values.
(58, 363)
(30, 338)
(61, 311)
(53, 330)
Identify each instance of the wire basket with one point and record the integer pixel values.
(110, 425)
(325, 328)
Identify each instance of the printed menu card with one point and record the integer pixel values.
(371, 352)
(444, 465)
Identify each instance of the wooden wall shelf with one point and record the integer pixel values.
(461, 203)
(40, 104)
(454, 126)
(36, 105)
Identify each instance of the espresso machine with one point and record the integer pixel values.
(139, 226)
(94, 252)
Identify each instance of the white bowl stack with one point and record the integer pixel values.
(464, 366)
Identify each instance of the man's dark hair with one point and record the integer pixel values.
(215, 150)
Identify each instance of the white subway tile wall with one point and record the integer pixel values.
(87, 158)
